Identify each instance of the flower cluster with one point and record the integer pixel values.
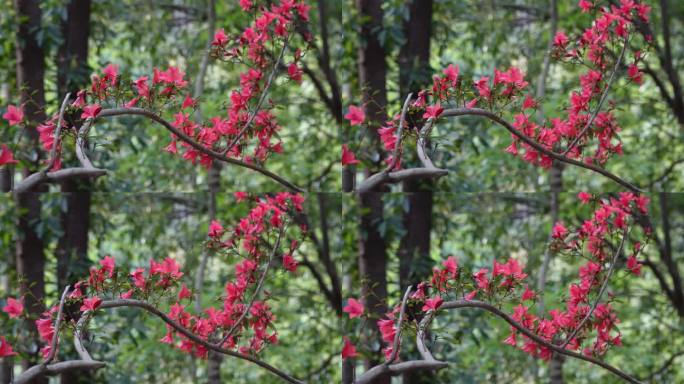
(243, 323)
(248, 131)
(504, 284)
(572, 135)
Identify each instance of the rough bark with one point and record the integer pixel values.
(372, 248)
(72, 75)
(72, 57)
(414, 75)
(30, 257)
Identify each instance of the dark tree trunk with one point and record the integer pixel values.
(30, 257)
(372, 248)
(414, 75)
(72, 69)
(72, 75)
(72, 57)
(373, 265)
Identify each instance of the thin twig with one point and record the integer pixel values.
(58, 321)
(58, 133)
(262, 98)
(397, 335)
(604, 286)
(400, 132)
(256, 291)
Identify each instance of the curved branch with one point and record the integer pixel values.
(534, 337)
(80, 144)
(58, 321)
(454, 112)
(394, 177)
(400, 131)
(381, 370)
(194, 338)
(53, 369)
(199, 147)
(397, 335)
(56, 176)
(58, 131)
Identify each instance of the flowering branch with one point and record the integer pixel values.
(262, 98)
(429, 362)
(604, 96)
(397, 337)
(532, 143)
(196, 339)
(55, 337)
(625, 233)
(257, 290)
(196, 145)
(58, 130)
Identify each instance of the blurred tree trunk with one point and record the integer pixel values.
(30, 257)
(72, 68)
(414, 75)
(372, 247)
(8, 255)
(72, 75)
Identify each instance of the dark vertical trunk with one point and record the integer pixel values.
(72, 75)
(72, 57)
(7, 365)
(373, 265)
(556, 184)
(372, 248)
(72, 247)
(414, 74)
(215, 359)
(30, 258)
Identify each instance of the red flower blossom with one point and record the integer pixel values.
(91, 303)
(184, 293)
(6, 156)
(585, 197)
(91, 111)
(111, 72)
(290, 263)
(220, 38)
(348, 156)
(451, 73)
(5, 348)
(294, 72)
(108, 265)
(215, 229)
(634, 74)
(451, 266)
(13, 115)
(433, 303)
(14, 307)
(433, 111)
(355, 115)
(633, 265)
(560, 40)
(354, 308)
(349, 350)
(559, 231)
